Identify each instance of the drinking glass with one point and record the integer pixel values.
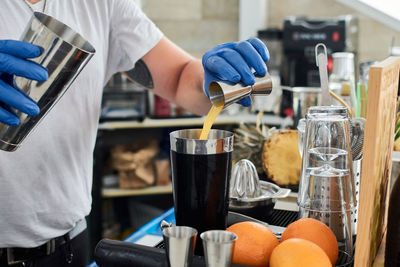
(301, 128)
(326, 190)
(201, 171)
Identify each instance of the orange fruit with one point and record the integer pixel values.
(254, 244)
(296, 252)
(316, 232)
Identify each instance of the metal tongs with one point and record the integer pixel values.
(321, 59)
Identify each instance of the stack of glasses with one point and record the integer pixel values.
(326, 190)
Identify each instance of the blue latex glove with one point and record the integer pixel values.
(233, 63)
(14, 61)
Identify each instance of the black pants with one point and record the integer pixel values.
(78, 246)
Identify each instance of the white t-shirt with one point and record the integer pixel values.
(45, 186)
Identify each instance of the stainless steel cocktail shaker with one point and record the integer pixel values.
(65, 55)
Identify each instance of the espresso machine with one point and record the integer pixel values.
(300, 35)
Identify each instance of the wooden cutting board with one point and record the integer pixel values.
(377, 159)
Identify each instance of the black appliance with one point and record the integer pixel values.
(300, 35)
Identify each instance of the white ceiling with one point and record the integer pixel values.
(385, 11)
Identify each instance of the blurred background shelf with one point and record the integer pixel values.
(152, 190)
(272, 120)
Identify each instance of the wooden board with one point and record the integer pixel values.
(380, 256)
(377, 162)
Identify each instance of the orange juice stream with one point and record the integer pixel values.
(211, 116)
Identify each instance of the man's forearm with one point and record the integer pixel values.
(178, 77)
(189, 93)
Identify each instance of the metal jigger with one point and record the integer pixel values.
(179, 245)
(220, 91)
(218, 247)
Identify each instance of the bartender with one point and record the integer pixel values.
(45, 186)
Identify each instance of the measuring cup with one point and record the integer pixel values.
(220, 91)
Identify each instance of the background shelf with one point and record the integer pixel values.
(151, 190)
(194, 121)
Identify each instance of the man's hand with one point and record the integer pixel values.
(233, 63)
(14, 57)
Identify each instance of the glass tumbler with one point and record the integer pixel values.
(326, 190)
(301, 128)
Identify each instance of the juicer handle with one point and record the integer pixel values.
(282, 193)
